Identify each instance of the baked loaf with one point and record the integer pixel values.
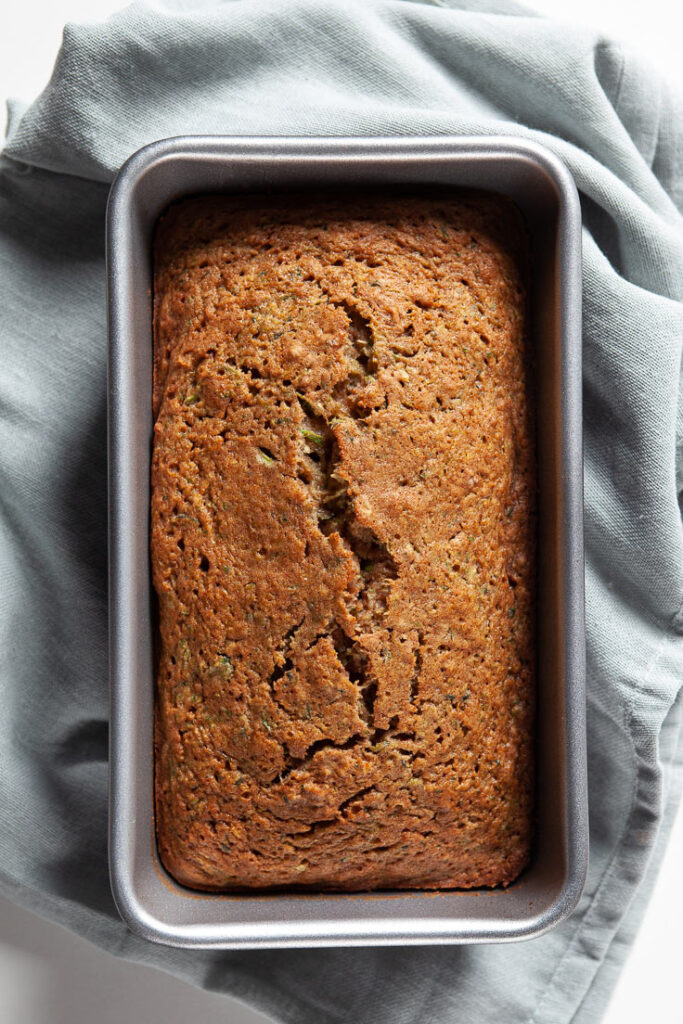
(342, 535)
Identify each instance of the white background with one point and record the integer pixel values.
(47, 975)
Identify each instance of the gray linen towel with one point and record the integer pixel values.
(325, 67)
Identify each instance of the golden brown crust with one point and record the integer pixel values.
(343, 494)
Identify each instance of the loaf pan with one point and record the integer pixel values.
(149, 900)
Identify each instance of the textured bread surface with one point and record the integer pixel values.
(342, 543)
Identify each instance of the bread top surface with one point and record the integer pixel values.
(343, 498)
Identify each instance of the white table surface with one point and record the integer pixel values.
(48, 975)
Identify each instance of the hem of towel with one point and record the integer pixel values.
(597, 997)
(633, 866)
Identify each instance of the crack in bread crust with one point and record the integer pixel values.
(343, 543)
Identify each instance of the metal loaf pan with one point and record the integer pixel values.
(149, 900)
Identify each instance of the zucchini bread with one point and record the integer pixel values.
(342, 542)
